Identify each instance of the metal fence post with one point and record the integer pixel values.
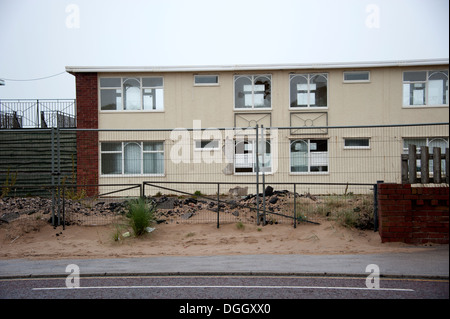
(295, 207)
(257, 176)
(218, 201)
(375, 206)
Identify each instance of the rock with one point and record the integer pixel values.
(238, 191)
(235, 213)
(232, 204)
(268, 191)
(187, 215)
(190, 200)
(273, 200)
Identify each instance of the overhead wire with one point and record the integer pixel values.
(35, 79)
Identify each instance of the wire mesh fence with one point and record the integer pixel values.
(205, 175)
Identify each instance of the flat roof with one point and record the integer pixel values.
(254, 67)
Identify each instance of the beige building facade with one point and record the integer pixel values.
(323, 123)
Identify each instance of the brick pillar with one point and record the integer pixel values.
(87, 141)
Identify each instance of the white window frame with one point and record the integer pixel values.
(428, 141)
(346, 147)
(252, 161)
(252, 77)
(141, 90)
(356, 72)
(310, 157)
(122, 152)
(206, 147)
(309, 106)
(426, 82)
(206, 84)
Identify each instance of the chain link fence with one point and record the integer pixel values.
(256, 174)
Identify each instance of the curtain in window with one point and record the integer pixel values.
(132, 94)
(153, 158)
(299, 156)
(132, 158)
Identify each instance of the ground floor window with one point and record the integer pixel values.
(431, 142)
(132, 158)
(245, 157)
(308, 156)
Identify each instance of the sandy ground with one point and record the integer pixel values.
(39, 240)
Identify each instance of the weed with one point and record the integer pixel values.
(141, 215)
(9, 182)
(197, 193)
(240, 225)
(349, 210)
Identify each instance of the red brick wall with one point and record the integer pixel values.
(413, 215)
(87, 141)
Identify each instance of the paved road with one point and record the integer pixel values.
(428, 262)
(254, 289)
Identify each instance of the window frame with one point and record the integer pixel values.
(268, 170)
(206, 149)
(206, 84)
(428, 141)
(309, 171)
(123, 144)
(252, 77)
(355, 81)
(123, 79)
(309, 76)
(347, 147)
(428, 74)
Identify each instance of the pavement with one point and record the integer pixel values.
(429, 262)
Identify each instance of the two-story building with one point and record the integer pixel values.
(149, 120)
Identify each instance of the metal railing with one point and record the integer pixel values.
(39, 113)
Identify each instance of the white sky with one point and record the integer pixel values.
(37, 38)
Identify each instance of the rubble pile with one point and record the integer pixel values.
(12, 208)
(243, 207)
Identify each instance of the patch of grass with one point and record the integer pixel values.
(117, 234)
(350, 210)
(141, 215)
(197, 193)
(240, 225)
(190, 234)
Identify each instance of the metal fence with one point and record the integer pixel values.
(257, 174)
(44, 113)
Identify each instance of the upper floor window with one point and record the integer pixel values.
(308, 90)
(205, 80)
(124, 94)
(425, 88)
(252, 91)
(356, 76)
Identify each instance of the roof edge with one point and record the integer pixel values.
(251, 67)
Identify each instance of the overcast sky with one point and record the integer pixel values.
(38, 38)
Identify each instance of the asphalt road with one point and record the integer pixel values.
(253, 289)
